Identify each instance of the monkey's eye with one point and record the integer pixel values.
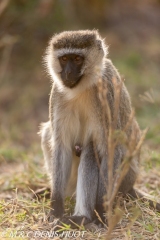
(78, 59)
(63, 59)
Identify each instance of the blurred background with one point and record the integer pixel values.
(132, 31)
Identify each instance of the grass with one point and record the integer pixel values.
(21, 160)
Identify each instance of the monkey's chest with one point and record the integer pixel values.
(74, 128)
(78, 121)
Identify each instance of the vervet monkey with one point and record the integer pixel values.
(76, 60)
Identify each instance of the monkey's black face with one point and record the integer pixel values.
(71, 65)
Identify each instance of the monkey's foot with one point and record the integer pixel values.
(54, 215)
(75, 221)
(100, 223)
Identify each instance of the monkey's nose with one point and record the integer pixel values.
(68, 73)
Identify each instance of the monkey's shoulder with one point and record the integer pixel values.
(110, 72)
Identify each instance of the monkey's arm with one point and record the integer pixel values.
(61, 166)
(58, 164)
(58, 158)
(123, 100)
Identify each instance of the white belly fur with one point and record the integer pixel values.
(77, 121)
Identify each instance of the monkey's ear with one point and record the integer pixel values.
(99, 44)
(102, 46)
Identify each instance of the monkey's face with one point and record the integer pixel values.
(75, 60)
(71, 65)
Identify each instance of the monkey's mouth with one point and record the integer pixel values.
(71, 83)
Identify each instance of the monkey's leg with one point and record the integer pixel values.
(127, 188)
(103, 180)
(45, 144)
(86, 191)
(130, 178)
(102, 189)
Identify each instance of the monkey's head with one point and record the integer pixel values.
(75, 59)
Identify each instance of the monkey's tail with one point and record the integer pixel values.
(137, 194)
